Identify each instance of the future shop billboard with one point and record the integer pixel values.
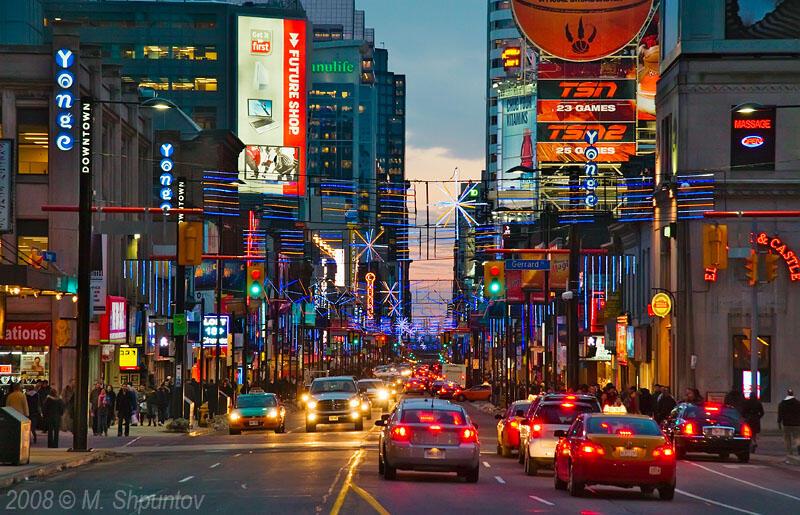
(271, 104)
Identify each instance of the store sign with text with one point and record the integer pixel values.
(791, 259)
(27, 333)
(113, 324)
(753, 139)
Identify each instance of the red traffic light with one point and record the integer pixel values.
(255, 273)
(494, 270)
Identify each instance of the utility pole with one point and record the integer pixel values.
(754, 383)
(572, 309)
(180, 340)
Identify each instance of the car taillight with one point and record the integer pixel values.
(688, 428)
(590, 449)
(514, 423)
(401, 434)
(625, 432)
(468, 435)
(435, 428)
(567, 405)
(442, 390)
(536, 430)
(664, 451)
(746, 431)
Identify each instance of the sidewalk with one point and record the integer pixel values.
(47, 461)
(112, 440)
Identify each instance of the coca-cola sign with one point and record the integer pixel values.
(27, 333)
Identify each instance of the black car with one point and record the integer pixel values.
(709, 428)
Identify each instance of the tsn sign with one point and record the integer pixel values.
(611, 132)
(611, 89)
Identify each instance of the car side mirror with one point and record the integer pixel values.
(380, 422)
(498, 416)
(385, 417)
(559, 434)
(519, 413)
(475, 425)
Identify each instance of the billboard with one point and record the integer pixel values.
(581, 30)
(519, 130)
(271, 104)
(761, 19)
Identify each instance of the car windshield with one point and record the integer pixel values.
(256, 401)
(433, 416)
(342, 385)
(626, 426)
(722, 414)
(363, 385)
(519, 406)
(564, 413)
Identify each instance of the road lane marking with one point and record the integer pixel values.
(541, 500)
(237, 455)
(215, 465)
(487, 465)
(500, 480)
(717, 503)
(337, 505)
(371, 500)
(131, 442)
(746, 482)
(187, 478)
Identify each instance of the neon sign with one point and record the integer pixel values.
(64, 99)
(370, 277)
(166, 179)
(511, 57)
(710, 275)
(791, 259)
(752, 141)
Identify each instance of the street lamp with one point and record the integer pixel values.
(752, 107)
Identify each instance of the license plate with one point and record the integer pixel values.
(718, 431)
(434, 454)
(253, 422)
(628, 453)
(654, 471)
(333, 418)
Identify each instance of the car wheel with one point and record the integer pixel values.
(531, 467)
(359, 426)
(473, 474)
(666, 492)
(744, 457)
(557, 482)
(281, 428)
(389, 472)
(381, 468)
(310, 428)
(521, 454)
(461, 398)
(724, 456)
(646, 490)
(499, 450)
(574, 487)
(235, 432)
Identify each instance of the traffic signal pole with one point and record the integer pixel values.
(754, 382)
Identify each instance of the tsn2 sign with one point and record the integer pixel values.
(574, 132)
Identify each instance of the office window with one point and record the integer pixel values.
(127, 51)
(156, 52)
(182, 84)
(205, 83)
(183, 52)
(208, 53)
(161, 83)
(32, 137)
(31, 240)
(205, 116)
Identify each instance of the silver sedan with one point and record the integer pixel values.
(428, 435)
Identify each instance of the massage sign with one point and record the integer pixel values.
(789, 257)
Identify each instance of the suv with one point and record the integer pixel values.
(332, 400)
(527, 421)
(550, 417)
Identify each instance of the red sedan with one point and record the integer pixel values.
(508, 427)
(619, 450)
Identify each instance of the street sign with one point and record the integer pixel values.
(661, 304)
(527, 264)
(49, 257)
(179, 326)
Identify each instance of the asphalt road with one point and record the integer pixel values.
(335, 471)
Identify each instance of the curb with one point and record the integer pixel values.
(51, 468)
(777, 462)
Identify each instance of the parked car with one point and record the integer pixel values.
(709, 428)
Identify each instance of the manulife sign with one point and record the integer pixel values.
(333, 67)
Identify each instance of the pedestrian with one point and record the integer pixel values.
(161, 403)
(666, 403)
(150, 406)
(645, 402)
(34, 408)
(124, 409)
(134, 404)
(752, 411)
(17, 400)
(692, 396)
(213, 399)
(102, 407)
(735, 399)
(111, 402)
(67, 398)
(610, 395)
(53, 411)
(789, 422)
(94, 397)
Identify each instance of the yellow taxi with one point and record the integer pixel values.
(257, 411)
(615, 449)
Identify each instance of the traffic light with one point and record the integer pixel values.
(715, 246)
(190, 243)
(771, 267)
(255, 280)
(494, 279)
(751, 264)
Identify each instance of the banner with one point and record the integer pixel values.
(27, 333)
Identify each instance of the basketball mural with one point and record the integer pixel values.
(581, 31)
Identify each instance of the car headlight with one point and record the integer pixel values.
(272, 413)
(305, 397)
(364, 406)
(354, 403)
(394, 392)
(311, 404)
(235, 416)
(383, 394)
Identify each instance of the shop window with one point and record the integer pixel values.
(741, 365)
(156, 52)
(31, 240)
(205, 83)
(33, 136)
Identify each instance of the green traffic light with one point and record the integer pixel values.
(255, 290)
(494, 287)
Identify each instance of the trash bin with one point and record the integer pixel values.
(188, 410)
(203, 422)
(15, 437)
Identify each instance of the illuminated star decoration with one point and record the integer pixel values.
(457, 205)
(392, 292)
(370, 245)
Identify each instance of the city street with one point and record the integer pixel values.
(335, 470)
